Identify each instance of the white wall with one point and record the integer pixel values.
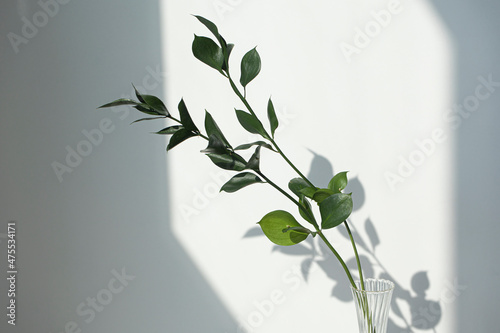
(198, 261)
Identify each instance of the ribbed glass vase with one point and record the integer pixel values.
(373, 304)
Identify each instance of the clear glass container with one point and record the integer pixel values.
(373, 304)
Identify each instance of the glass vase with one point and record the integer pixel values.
(373, 304)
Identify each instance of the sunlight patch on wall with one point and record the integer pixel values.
(370, 87)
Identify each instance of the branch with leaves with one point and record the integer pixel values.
(279, 226)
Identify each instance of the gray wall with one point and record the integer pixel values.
(102, 219)
(475, 28)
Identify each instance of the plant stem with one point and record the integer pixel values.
(290, 163)
(286, 194)
(364, 301)
(203, 136)
(197, 133)
(356, 254)
(318, 230)
(339, 258)
(278, 149)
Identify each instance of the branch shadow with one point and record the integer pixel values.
(425, 313)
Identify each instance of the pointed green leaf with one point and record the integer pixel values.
(186, 120)
(254, 161)
(275, 222)
(338, 182)
(321, 194)
(273, 119)
(143, 119)
(227, 53)
(250, 66)
(210, 25)
(228, 161)
(147, 109)
(208, 52)
(226, 48)
(335, 209)
(306, 210)
(178, 137)
(301, 230)
(250, 123)
(239, 181)
(118, 102)
(155, 103)
(249, 145)
(212, 128)
(296, 185)
(308, 191)
(170, 130)
(215, 146)
(215, 31)
(138, 94)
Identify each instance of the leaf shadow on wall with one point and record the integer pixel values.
(425, 313)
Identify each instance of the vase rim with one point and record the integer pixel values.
(390, 286)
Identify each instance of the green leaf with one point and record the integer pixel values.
(275, 222)
(215, 146)
(249, 145)
(308, 191)
(156, 104)
(229, 161)
(170, 130)
(338, 182)
(186, 120)
(138, 95)
(210, 25)
(150, 118)
(215, 31)
(178, 137)
(239, 181)
(118, 102)
(250, 66)
(273, 119)
(208, 52)
(306, 205)
(250, 123)
(335, 209)
(229, 49)
(254, 161)
(226, 48)
(299, 229)
(227, 53)
(147, 109)
(212, 128)
(296, 185)
(321, 194)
